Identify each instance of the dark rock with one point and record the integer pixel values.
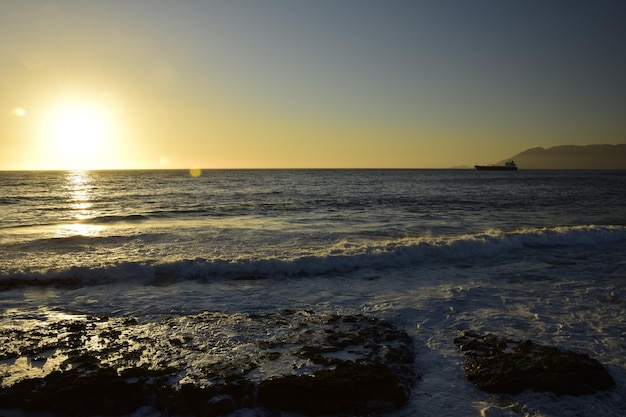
(190, 399)
(207, 364)
(502, 365)
(349, 388)
(74, 393)
(221, 404)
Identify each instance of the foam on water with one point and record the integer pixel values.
(102, 266)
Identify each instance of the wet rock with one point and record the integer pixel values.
(221, 404)
(206, 365)
(501, 365)
(189, 399)
(349, 388)
(75, 393)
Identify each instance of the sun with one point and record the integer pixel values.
(78, 134)
(78, 126)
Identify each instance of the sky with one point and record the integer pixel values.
(144, 84)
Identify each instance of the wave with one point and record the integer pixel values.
(342, 258)
(110, 219)
(9, 200)
(115, 219)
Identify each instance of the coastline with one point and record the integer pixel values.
(213, 364)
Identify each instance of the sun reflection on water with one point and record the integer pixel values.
(79, 229)
(79, 186)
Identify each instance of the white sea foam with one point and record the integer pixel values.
(342, 257)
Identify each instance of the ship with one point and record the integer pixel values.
(509, 166)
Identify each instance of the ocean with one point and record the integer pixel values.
(530, 254)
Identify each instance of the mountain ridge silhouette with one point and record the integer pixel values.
(572, 157)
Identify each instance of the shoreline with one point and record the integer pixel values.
(215, 363)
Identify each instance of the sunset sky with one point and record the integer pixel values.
(321, 83)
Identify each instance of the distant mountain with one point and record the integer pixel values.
(572, 157)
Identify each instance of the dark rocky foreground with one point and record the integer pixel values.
(207, 364)
(213, 363)
(500, 365)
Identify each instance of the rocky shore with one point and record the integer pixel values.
(497, 364)
(207, 364)
(214, 363)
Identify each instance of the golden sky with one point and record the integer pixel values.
(288, 84)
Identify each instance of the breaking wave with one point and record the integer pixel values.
(342, 258)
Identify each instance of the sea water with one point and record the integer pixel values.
(530, 254)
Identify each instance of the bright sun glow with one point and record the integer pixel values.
(78, 134)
